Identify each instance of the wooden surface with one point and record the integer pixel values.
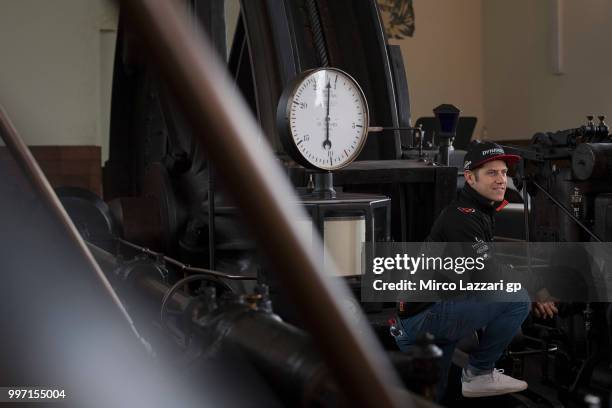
(69, 166)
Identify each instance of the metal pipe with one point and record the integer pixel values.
(254, 178)
(152, 288)
(525, 200)
(283, 353)
(182, 266)
(526, 208)
(24, 159)
(376, 129)
(212, 236)
(106, 260)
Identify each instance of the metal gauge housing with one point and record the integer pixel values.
(323, 119)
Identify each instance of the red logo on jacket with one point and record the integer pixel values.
(466, 210)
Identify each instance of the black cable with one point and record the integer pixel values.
(317, 32)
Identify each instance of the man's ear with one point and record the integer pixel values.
(469, 177)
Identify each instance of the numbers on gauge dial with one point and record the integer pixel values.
(327, 119)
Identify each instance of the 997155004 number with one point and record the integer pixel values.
(31, 393)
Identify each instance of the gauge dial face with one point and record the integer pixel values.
(328, 119)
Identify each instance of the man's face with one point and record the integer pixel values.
(489, 180)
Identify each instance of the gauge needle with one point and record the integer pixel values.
(326, 142)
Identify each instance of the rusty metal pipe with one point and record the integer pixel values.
(254, 178)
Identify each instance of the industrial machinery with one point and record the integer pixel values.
(198, 275)
(565, 181)
(193, 285)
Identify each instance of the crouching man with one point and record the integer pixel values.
(470, 219)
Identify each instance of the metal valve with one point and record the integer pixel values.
(602, 128)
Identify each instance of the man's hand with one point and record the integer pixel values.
(544, 309)
(544, 306)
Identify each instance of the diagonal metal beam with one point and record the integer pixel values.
(29, 166)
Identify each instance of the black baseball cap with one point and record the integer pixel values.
(480, 152)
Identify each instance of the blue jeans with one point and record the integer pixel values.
(450, 321)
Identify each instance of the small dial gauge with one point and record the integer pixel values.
(323, 119)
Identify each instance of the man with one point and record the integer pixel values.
(470, 219)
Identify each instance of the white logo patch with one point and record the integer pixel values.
(481, 247)
(497, 150)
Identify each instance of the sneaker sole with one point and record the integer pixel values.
(474, 394)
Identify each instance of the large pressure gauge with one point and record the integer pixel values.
(323, 119)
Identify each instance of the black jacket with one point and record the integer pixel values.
(470, 218)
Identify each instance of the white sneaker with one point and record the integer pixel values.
(495, 383)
